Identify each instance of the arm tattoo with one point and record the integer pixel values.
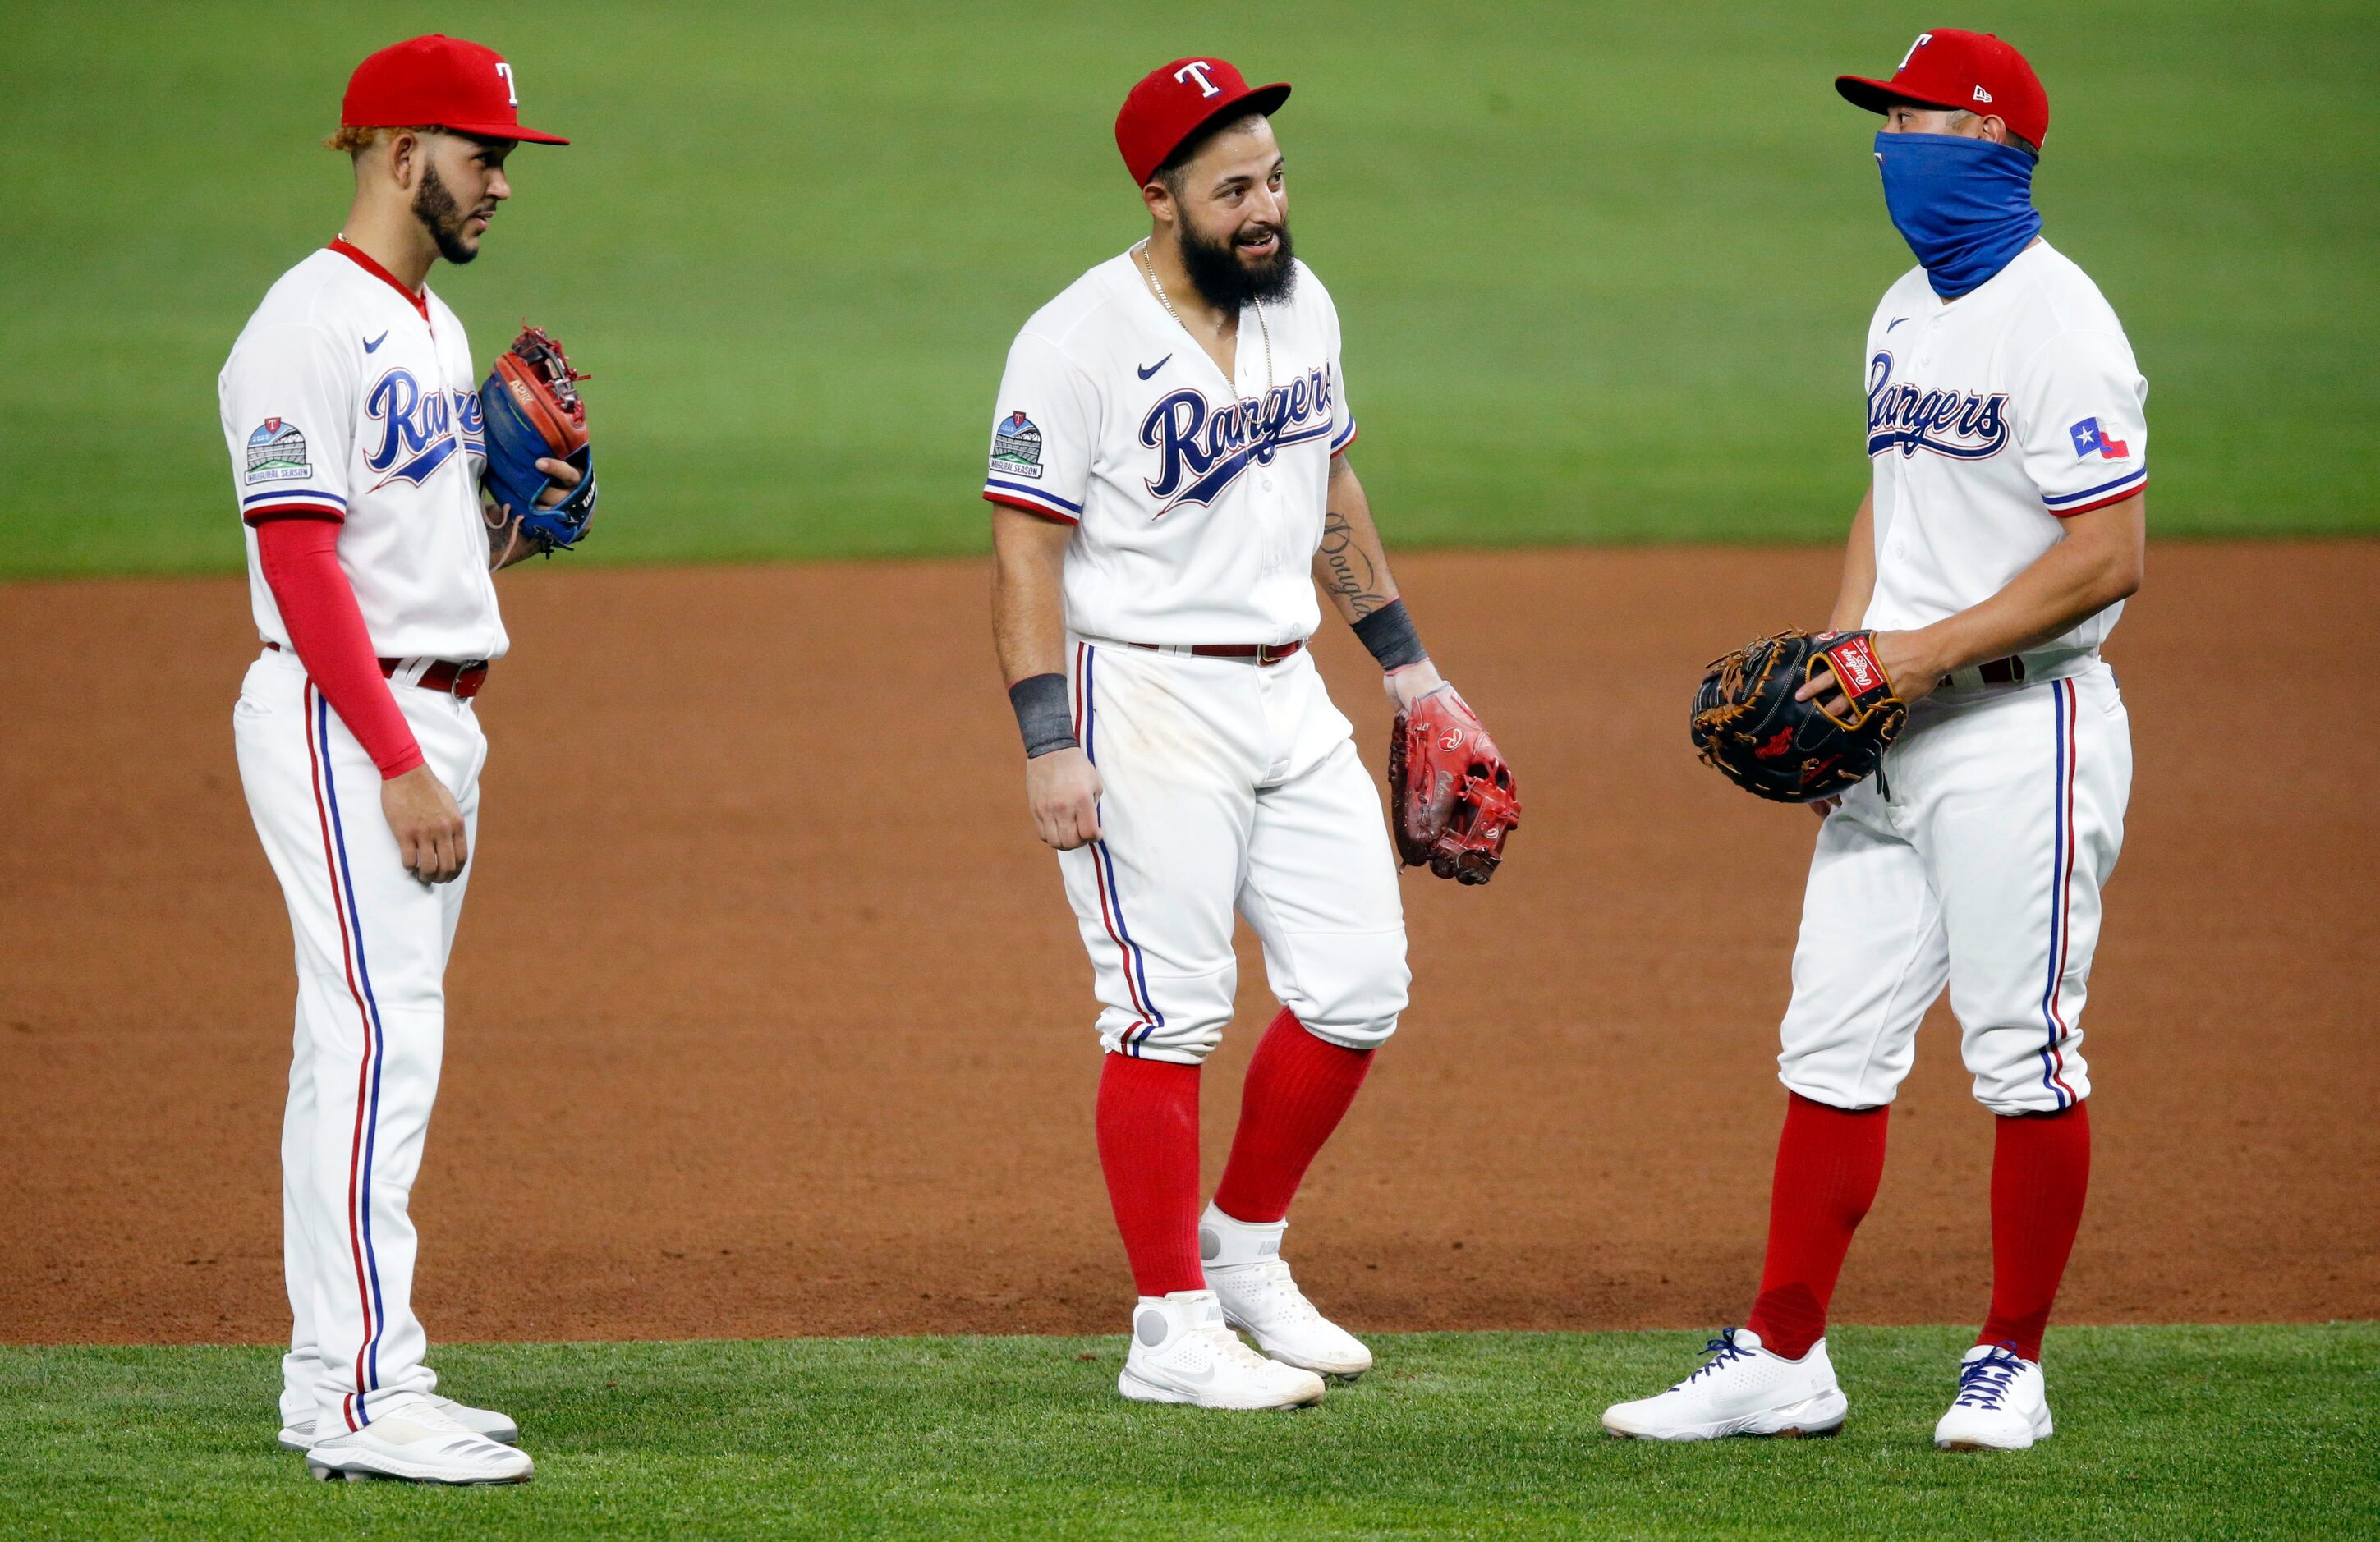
(1352, 580)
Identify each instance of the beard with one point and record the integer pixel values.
(1229, 281)
(435, 206)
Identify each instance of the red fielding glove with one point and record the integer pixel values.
(1452, 800)
(300, 558)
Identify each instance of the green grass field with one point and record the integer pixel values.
(2236, 1433)
(1604, 269)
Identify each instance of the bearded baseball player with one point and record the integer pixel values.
(1170, 479)
(358, 447)
(2001, 532)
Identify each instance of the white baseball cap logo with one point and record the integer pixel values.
(1197, 69)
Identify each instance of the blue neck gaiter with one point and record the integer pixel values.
(1965, 206)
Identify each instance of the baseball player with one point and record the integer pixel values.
(353, 418)
(1170, 473)
(2002, 530)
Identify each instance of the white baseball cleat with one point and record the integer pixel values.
(1741, 1390)
(299, 1437)
(1183, 1353)
(1252, 1283)
(412, 1438)
(2003, 1402)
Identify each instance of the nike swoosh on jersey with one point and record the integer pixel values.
(374, 346)
(1144, 373)
(1896, 321)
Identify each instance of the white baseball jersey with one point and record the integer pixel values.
(1197, 501)
(347, 394)
(1226, 784)
(1975, 857)
(1990, 419)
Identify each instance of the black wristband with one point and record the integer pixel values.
(1042, 715)
(1389, 633)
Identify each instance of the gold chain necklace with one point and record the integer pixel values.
(1148, 265)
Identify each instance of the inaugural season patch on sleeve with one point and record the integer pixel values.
(276, 452)
(1015, 446)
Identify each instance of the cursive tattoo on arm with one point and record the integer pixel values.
(1346, 571)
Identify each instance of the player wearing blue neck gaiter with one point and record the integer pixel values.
(1965, 206)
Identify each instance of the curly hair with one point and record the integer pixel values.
(356, 140)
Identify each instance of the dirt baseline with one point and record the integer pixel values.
(769, 1018)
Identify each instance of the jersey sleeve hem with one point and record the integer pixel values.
(1032, 503)
(2067, 504)
(1339, 445)
(295, 505)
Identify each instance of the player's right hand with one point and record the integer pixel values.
(428, 825)
(1063, 790)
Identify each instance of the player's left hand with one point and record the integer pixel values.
(1452, 800)
(506, 545)
(1908, 665)
(1410, 682)
(565, 477)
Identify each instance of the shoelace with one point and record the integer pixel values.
(1230, 1345)
(429, 1415)
(1983, 1383)
(1723, 1352)
(1288, 1301)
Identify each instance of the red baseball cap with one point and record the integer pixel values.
(1948, 68)
(438, 81)
(1175, 100)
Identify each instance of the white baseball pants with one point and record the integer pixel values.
(1229, 786)
(1980, 869)
(371, 948)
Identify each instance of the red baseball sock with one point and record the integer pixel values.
(1829, 1163)
(2041, 1166)
(1149, 1149)
(1297, 1090)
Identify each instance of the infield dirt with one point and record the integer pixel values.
(768, 1015)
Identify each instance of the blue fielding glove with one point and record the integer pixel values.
(532, 408)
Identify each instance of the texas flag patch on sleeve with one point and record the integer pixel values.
(2090, 438)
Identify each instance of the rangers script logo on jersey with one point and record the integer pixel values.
(1203, 449)
(1907, 417)
(420, 426)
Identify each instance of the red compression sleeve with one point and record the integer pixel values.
(300, 558)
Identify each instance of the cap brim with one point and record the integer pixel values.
(504, 131)
(1256, 99)
(1877, 95)
(1264, 99)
